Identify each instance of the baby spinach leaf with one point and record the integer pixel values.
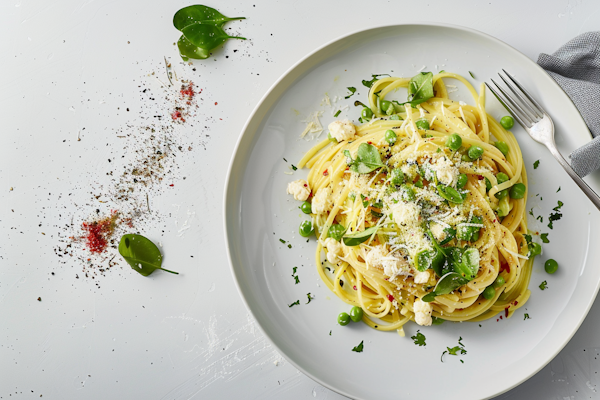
(187, 50)
(199, 13)
(420, 88)
(141, 254)
(356, 238)
(207, 36)
(450, 194)
(367, 160)
(375, 77)
(445, 285)
(467, 265)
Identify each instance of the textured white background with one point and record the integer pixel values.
(70, 65)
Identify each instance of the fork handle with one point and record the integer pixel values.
(580, 182)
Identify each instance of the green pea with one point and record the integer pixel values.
(536, 249)
(488, 185)
(436, 321)
(499, 282)
(336, 231)
(489, 293)
(356, 313)
(507, 122)
(454, 142)
(387, 107)
(422, 124)
(397, 176)
(503, 147)
(306, 228)
(306, 207)
(502, 194)
(366, 114)
(407, 193)
(343, 319)
(551, 266)
(390, 137)
(466, 158)
(517, 191)
(462, 181)
(475, 152)
(501, 177)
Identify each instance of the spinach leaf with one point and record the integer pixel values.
(206, 36)
(367, 160)
(188, 50)
(420, 88)
(445, 285)
(375, 77)
(141, 254)
(467, 265)
(199, 13)
(356, 238)
(450, 194)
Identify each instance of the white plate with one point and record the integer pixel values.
(501, 354)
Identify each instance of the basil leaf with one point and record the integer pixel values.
(206, 36)
(336, 231)
(367, 160)
(356, 238)
(199, 13)
(420, 88)
(141, 254)
(468, 264)
(450, 194)
(429, 259)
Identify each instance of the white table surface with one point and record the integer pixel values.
(74, 69)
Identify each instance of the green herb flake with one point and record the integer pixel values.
(536, 164)
(282, 241)
(352, 91)
(456, 350)
(358, 348)
(337, 113)
(472, 76)
(419, 339)
(296, 303)
(310, 297)
(526, 316)
(560, 204)
(540, 218)
(329, 333)
(289, 246)
(558, 189)
(375, 77)
(294, 167)
(553, 217)
(531, 212)
(544, 285)
(295, 276)
(544, 237)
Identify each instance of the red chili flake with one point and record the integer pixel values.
(98, 232)
(354, 287)
(505, 267)
(390, 297)
(370, 142)
(325, 173)
(176, 115)
(480, 177)
(506, 311)
(501, 317)
(515, 303)
(216, 103)
(188, 91)
(171, 185)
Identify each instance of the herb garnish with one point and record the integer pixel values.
(544, 285)
(296, 303)
(560, 204)
(282, 241)
(526, 316)
(456, 350)
(337, 113)
(358, 348)
(544, 237)
(294, 167)
(367, 159)
(356, 238)
(352, 91)
(295, 276)
(141, 254)
(536, 164)
(558, 189)
(472, 76)
(372, 81)
(418, 339)
(202, 31)
(310, 297)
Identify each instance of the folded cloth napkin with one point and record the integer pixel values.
(576, 68)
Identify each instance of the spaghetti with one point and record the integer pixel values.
(415, 212)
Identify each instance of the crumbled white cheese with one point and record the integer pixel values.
(342, 130)
(322, 202)
(446, 172)
(392, 266)
(334, 249)
(406, 214)
(422, 312)
(299, 189)
(437, 230)
(422, 277)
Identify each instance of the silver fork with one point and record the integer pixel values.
(532, 117)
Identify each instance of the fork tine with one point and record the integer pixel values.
(524, 117)
(508, 108)
(525, 92)
(527, 105)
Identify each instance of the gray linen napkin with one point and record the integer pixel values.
(576, 68)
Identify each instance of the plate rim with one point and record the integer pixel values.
(228, 187)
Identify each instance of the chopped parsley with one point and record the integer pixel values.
(329, 333)
(531, 212)
(544, 237)
(358, 348)
(337, 113)
(536, 164)
(540, 218)
(526, 316)
(558, 189)
(352, 91)
(289, 246)
(553, 217)
(456, 350)
(295, 276)
(544, 285)
(418, 339)
(560, 204)
(310, 297)
(294, 167)
(375, 77)
(296, 303)
(472, 76)
(282, 241)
